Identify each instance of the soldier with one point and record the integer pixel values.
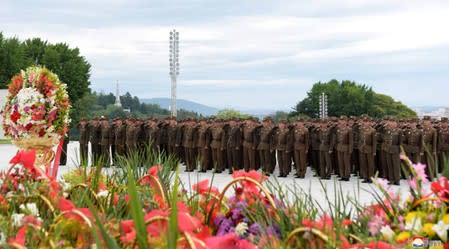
(300, 140)
(105, 142)
(95, 134)
(381, 160)
(141, 141)
(443, 143)
(326, 149)
(112, 138)
(152, 134)
(189, 143)
(203, 144)
(65, 143)
(217, 145)
(171, 135)
(163, 135)
(233, 145)
(391, 147)
(266, 146)
(130, 137)
(355, 158)
(367, 150)
(430, 147)
(282, 147)
(315, 145)
(83, 127)
(120, 138)
(413, 142)
(345, 142)
(249, 152)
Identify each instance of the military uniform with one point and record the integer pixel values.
(189, 144)
(344, 147)
(315, 145)
(130, 138)
(326, 149)
(171, 134)
(217, 145)
(391, 148)
(413, 144)
(367, 151)
(105, 142)
(233, 147)
(203, 145)
(84, 142)
(249, 152)
(283, 151)
(430, 147)
(300, 139)
(65, 143)
(443, 144)
(119, 140)
(266, 149)
(95, 134)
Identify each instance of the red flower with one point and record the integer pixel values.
(154, 170)
(15, 116)
(129, 231)
(19, 240)
(26, 158)
(228, 241)
(16, 84)
(28, 126)
(249, 186)
(203, 187)
(374, 245)
(441, 187)
(67, 206)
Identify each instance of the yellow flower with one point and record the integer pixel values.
(446, 218)
(414, 215)
(427, 228)
(403, 236)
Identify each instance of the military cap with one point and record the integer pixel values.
(283, 121)
(426, 118)
(83, 119)
(444, 119)
(343, 117)
(300, 120)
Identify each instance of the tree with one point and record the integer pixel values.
(11, 59)
(350, 99)
(231, 113)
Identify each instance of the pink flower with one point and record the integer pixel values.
(228, 241)
(420, 170)
(412, 183)
(375, 224)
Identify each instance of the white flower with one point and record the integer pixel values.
(65, 185)
(17, 219)
(21, 187)
(441, 229)
(30, 207)
(414, 226)
(2, 238)
(387, 232)
(103, 193)
(241, 229)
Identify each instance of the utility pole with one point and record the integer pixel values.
(174, 67)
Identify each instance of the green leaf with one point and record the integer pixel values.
(136, 212)
(110, 242)
(173, 223)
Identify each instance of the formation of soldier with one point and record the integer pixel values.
(360, 146)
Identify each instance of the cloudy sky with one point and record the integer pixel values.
(249, 54)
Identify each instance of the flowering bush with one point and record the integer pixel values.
(88, 209)
(37, 105)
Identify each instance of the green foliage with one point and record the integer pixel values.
(351, 99)
(231, 113)
(72, 68)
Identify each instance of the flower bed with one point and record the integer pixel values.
(90, 210)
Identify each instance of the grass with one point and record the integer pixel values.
(5, 141)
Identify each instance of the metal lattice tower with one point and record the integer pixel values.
(323, 106)
(174, 67)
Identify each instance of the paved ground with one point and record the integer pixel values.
(354, 188)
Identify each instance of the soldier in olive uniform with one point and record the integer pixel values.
(171, 134)
(105, 142)
(233, 146)
(152, 134)
(315, 146)
(83, 127)
(266, 146)
(326, 149)
(189, 144)
(367, 150)
(130, 137)
(443, 143)
(217, 145)
(391, 147)
(112, 136)
(141, 141)
(283, 149)
(249, 152)
(95, 134)
(203, 145)
(300, 139)
(413, 142)
(430, 147)
(120, 138)
(344, 142)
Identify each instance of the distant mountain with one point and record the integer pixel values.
(427, 108)
(183, 104)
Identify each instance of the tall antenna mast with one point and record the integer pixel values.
(174, 67)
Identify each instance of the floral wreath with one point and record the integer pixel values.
(37, 105)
